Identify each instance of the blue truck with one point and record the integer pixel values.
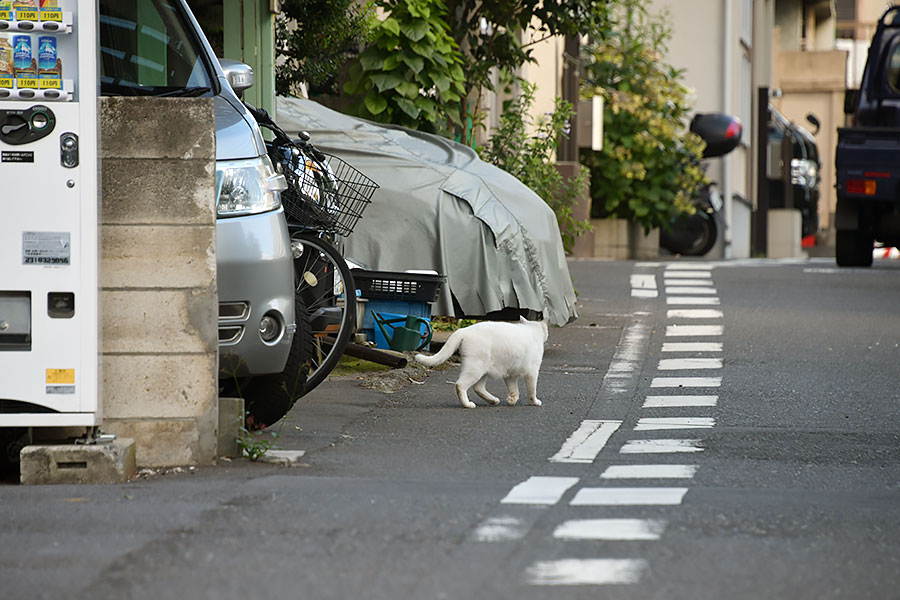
(867, 162)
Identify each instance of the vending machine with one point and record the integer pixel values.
(48, 214)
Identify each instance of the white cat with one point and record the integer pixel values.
(495, 349)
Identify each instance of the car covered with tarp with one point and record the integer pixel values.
(441, 208)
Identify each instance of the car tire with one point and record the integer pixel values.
(853, 248)
(268, 398)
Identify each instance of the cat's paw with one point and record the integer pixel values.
(535, 402)
(468, 404)
(492, 401)
(511, 400)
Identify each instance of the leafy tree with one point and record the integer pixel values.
(526, 150)
(411, 74)
(314, 38)
(649, 166)
(489, 33)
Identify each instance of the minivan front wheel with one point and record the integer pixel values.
(268, 398)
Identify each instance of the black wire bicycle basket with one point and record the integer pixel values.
(324, 193)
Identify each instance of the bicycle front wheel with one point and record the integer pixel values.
(325, 287)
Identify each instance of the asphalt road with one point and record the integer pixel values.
(761, 460)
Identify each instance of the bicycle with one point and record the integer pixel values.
(323, 202)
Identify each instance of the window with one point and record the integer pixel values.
(146, 48)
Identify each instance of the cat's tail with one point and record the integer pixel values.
(446, 352)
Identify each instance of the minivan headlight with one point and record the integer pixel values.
(247, 187)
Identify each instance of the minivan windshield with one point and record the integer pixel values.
(147, 48)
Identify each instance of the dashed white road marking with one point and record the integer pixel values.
(640, 496)
(590, 571)
(687, 274)
(611, 529)
(646, 282)
(649, 472)
(680, 382)
(692, 347)
(500, 529)
(539, 490)
(692, 300)
(676, 281)
(586, 442)
(694, 313)
(689, 266)
(691, 290)
(661, 423)
(660, 446)
(686, 364)
(643, 286)
(679, 401)
(694, 330)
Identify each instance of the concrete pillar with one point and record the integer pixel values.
(784, 226)
(158, 301)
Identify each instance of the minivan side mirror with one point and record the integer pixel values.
(851, 100)
(239, 75)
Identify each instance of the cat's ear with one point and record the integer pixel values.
(522, 319)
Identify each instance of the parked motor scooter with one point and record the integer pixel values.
(696, 234)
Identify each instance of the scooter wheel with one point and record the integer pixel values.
(694, 235)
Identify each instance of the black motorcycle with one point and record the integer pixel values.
(696, 234)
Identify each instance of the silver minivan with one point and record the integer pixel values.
(156, 48)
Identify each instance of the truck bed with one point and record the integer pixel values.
(868, 163)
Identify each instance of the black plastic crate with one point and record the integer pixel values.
(391, 285)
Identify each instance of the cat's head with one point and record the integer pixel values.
(544, 324)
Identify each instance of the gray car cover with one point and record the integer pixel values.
(441, 208)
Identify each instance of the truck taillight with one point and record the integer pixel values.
(866, 187)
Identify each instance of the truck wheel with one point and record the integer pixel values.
(267, 398)
(853, 248)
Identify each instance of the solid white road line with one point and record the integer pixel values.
(660, 446)
(683, 364)
(692, 347)
(690, 290)
(661, 423)
(500, 529)
(590, 571)
(692, 300)
(676, 281)
(687, 274)
(681, 382)
(694, 330)
(649, 472)
(638, 293)
(694, 313)
(587, 441)
(610, 529)
(539, 490)
(679, 401)
(641, 496)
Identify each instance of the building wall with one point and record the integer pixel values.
(158, 301)
(711, 41)
(814, 82)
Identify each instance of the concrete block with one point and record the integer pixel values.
(178, 192)
(112, 462)
(158, 256)
(159, 321)
(231, 417)
(166, 442)
(619, 239)
(784, 233)
(153, 386)
(133, 127)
